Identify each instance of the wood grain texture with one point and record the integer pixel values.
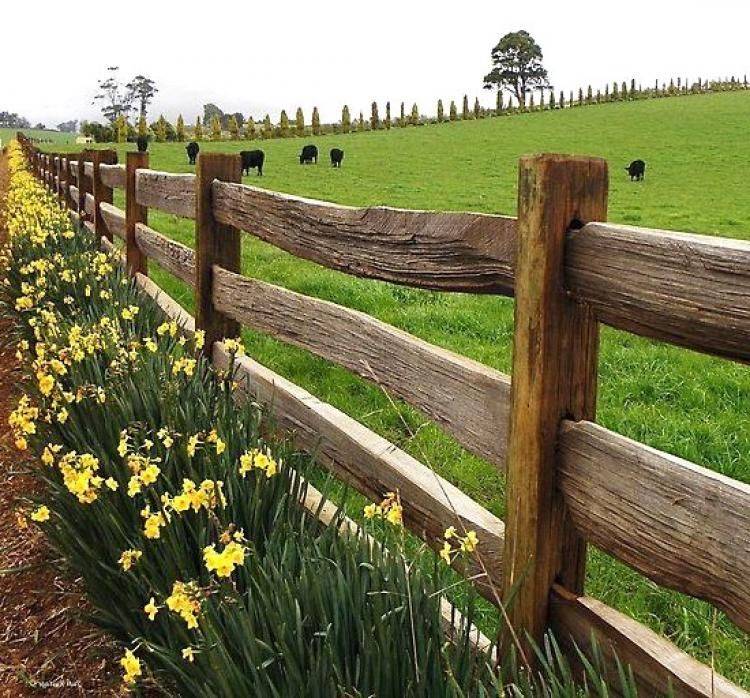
(102, 193)
(373, 465)
(135, 213)
(74, 167)
(114, 219)
(468, 399)
(90, 205)
(169, 254)
(74, 197)
(555, 350)
(88, 169)
(657, 664)
(689, 290)
(113, 175)
(173, 193)
(442, 251)
(215, 243)
(683, 526)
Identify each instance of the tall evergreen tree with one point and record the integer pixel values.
(284, 124)
(589, 95)
(346, 120)
(388, 115)
(562, 100)
(499, 102)
(161, 129)
(215, 128)
(198, 131)
(580, 96)
(316, 122)
(180, 129)
(234, 128)
(465, 114)
(615, 92)
(402, 119)
(453, 113)
(361, 123)
(606, 92)
(633, 91)
(299, 122)
(121, 128)
(477, 108)
(414, 115)
(250, 129)
(552, 104)
(267, 127)
(440, 112)
(142, 126)
(374, 117)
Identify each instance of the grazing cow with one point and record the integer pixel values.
(252, 158)
(309, 154)
(337, 155)
(636, 170)
(142, 143)
(192, 151)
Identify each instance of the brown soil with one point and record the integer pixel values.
(46, 648)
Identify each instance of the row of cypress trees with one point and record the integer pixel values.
(162, 130)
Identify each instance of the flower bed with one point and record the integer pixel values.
(183, 516)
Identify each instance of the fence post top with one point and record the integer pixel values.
(562, 158)
(137, 157)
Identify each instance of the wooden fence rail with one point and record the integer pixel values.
(569, 481)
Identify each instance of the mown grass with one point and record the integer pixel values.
(685, 403)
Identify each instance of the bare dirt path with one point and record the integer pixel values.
(45, 646)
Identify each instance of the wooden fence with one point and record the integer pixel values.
(570, 482)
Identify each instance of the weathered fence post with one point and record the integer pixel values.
(555, 349)
(82, 157)
(134, 214)
(215, 243)
(68, 182)
(102, 193)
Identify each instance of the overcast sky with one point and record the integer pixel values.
(258, 57)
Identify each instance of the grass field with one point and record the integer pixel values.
(63, 139)
(698, 157)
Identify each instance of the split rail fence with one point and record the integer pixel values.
(569, 481)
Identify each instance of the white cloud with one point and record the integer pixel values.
(257, 57)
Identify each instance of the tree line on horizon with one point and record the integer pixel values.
(220, 126)
(517, 70)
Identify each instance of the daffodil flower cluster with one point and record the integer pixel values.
(223, 563)
(257, 459)
(185, 600)
(131, 666)
(389, 509)
(454, 544)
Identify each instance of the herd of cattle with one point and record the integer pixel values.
(254, 159)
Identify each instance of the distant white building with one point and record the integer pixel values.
(83, 140)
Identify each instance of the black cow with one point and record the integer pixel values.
(252, 158)
(337, 155)
(309, 154)
(636, 170)
(192, 151)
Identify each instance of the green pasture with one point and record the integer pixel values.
(698, 167)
